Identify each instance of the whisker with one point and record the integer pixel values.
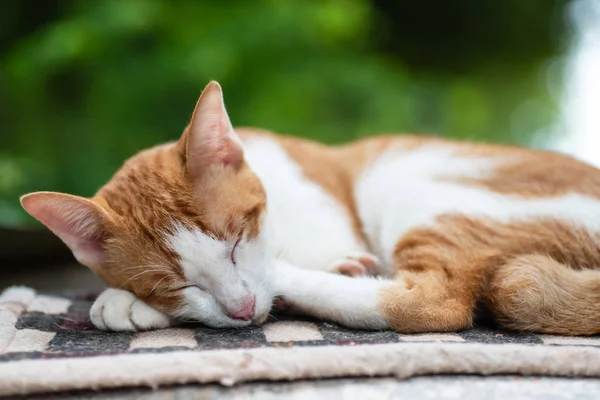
(157, 283)
(140, 274)
(142, 266)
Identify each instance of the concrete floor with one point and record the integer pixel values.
(443, 388)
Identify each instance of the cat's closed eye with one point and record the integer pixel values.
(232, 255)
(180, 288)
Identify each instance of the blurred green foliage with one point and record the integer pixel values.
(85, 84)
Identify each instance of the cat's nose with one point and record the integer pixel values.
(246, 312)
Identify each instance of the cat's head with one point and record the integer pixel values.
(183, 225)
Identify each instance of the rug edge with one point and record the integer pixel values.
(228, 367)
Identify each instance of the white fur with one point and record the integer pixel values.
(119, 310)
(222, 287)
(312, 233)
(312, 228)
(349, 301)
(403, 190)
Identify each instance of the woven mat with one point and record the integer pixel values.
(47, 343)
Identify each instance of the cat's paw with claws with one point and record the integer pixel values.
(356, 264)
(119, 310)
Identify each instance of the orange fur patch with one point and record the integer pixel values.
(532, 276)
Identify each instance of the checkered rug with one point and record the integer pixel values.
(47, 343)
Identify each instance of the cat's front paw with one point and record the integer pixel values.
(280, 305)
(356, 264)
(119, 310)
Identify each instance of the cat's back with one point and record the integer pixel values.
(406, 182)
(510, 170)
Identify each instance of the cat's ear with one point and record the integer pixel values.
(209, 139)
(80, 223)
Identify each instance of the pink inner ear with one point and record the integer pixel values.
(230, 152)
(78, 222)
(211, 139)
(83, 236)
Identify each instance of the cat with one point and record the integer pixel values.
(401, 232)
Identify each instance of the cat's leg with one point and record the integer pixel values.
(424, 296)
(346, 300)
(356, 264)
(119, 310)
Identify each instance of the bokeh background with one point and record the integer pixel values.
(85, 84)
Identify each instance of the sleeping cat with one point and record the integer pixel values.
(400, 232)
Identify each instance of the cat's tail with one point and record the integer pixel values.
(538, 293)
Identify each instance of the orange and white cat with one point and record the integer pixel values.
(210, 228)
